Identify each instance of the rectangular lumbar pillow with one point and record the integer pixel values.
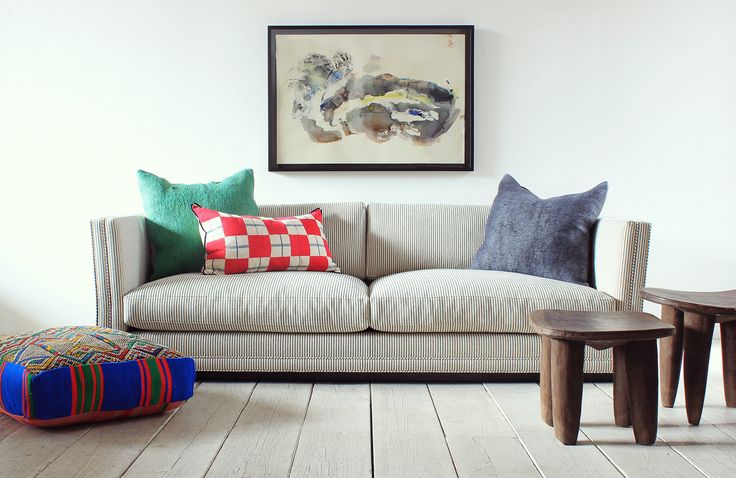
(541, 237)
(236, 244)
(172, 231)
(69, 375)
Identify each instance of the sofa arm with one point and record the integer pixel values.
(620, 253)
(120, 255)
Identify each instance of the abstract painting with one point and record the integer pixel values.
(370, 98)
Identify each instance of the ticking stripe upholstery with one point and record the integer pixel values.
(621, 250)
(288, 301)
(121, 263)
(366, 352)
(459, 300)
(406, 237)
(344, 225)
(400, 238)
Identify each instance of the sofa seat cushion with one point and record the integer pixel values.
(289, 301)
(458, 300)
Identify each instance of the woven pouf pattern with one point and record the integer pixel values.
(67, 375)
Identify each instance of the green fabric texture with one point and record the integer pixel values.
(173, 230)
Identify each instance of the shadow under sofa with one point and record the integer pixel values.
(405, 306)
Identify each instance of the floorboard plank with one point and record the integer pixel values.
(264, 439)
(407, 436)
(481, 442)
(720, 416)
(618, 443)
(191, 440)
(8, 426)
(108, 449)
(715, 410)
(336, 437)
(277, 429)
(704, 446)
(29, 449)
(520, 404)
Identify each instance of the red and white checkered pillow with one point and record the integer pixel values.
(236, 244)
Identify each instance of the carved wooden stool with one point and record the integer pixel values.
(633, 336)
(694, 315)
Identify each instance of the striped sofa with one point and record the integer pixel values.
(405, 302)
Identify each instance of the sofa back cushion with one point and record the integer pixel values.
(405, 237)
(344, 226)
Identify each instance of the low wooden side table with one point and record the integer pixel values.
(633, 336)
(694, 315)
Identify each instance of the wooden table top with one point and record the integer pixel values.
(710, 303)
(598, 326)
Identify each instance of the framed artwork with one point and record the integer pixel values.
(367, 98)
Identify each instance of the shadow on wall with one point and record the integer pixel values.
(488, 101)
(14, 322)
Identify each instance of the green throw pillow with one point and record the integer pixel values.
(173, 231)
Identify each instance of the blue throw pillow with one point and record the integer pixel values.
(540, 237)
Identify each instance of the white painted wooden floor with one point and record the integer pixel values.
(381, 430)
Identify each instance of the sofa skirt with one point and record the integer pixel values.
(365, 352)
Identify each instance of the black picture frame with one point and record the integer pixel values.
(465, 30)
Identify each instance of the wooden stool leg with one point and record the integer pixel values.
(697, 342)
(670, 356)
(621, 413)
(641, 372)
(567, 388)
(545, 383)
(728, 349)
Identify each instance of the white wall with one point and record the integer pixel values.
(568, 93)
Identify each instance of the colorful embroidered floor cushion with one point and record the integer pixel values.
(70, 375)
(235, 244)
